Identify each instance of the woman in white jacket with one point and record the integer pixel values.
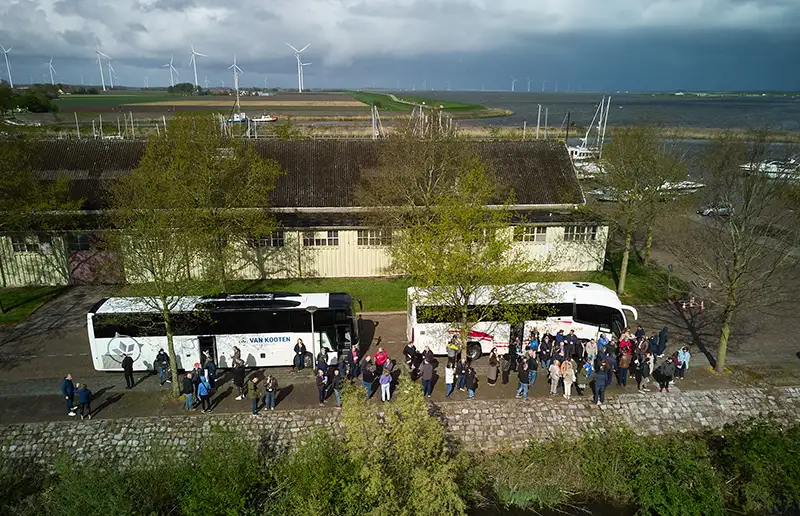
(555, 376)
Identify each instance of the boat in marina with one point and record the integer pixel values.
(787, 169)
(265, 119)
(586, 155)
(668, 190)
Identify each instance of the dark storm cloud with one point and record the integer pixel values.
(79, 39)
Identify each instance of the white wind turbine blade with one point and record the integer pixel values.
(295, 50)
(199, 54)
(5, 50)
(305, 47)
(103, 55)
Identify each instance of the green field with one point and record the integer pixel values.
(113, 99)
(386, 103)
(19, 303)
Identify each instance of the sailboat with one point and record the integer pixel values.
(584, 156)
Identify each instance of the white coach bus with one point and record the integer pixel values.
(265, 327)
(587, 308)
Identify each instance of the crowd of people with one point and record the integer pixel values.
(570, 365)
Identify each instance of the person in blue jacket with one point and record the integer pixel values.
(68, 391)
(600, 382)
(204, 393)
(84, 401)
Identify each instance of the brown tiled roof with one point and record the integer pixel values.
(318, 173)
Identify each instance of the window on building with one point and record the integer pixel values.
(580, 233)
(536, 234)
(376, 237)
(78, 242)
(275, 239)
(320, 238)
(30, 243)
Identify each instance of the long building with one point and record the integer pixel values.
(324, 232)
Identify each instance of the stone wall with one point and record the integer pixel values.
(480, 425)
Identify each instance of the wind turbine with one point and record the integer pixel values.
(206, 82)
(529, 84)
(193, 62)
(299, 66)
(236, 72)
(51, 70)
(171, 69)
(100, 55)
(303, 75)
(8, 67)
(265, 83)
(513, 82)
(112, 74)
(147, 82)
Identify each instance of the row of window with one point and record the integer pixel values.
(78, 242)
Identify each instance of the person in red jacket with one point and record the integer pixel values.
(380, 359)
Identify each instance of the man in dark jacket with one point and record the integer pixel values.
(187, 389)
(254, 393)
(367, 375)
(471, 382)
(338, 384)
(353, 358)
(162, 366)
(322, 386)
(211, 371)
(600, 382)
(238, 379)
(410, 353)
(84, 401)
(426, 372)
(68, 391)
(299, 355)
(572, 345)
(640, 333)
(127, 368)
(270, 392)
(663, 337)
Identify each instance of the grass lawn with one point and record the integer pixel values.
(20, 303)
(386, 103)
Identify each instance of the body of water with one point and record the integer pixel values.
(773, 112)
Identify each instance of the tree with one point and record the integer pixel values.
(192, 188)
(449, 224)
(749, 256)
(637, 165)
(404, 463)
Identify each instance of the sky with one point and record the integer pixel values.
(586, 45)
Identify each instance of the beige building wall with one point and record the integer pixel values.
(580, 253)
(29, 260)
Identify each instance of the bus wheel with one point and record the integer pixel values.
(473, 351)
(308, 360)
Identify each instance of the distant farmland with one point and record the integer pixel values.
(67, 102)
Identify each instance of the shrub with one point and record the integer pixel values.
(607, 457)
(673, 476)
(761, 461)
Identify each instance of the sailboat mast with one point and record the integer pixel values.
(605, 124)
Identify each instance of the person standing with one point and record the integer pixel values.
(453, 348)
(204, 393)
(367, 375)
(555, 376)
(238, 379)
(254, 393)
(533, 367)
(461, 373)
(512, 353)
(270, 393)
(333, 363)
(449, 377)
(624, 365)
(68, 391)
(322, 361)
(237, 356)
(663, 338)
(410, 354)
(353, 361)
(568, 374)
(162, 363)
(640, 366)
(127, 368)
(427, 354)
(471, 382)
(338, 383)
(664, 375)
(524, 381)
(84, 401)
(187, 388)
(386, 385)
(583, 373)
(505, 368)
(426, 373)
(197, 373)
(683, 362)
(211, 371)
(380, 359)
(299, 355)
(493, 367)
(322, 386)
(600, 382)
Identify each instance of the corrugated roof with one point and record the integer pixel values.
(318, 173)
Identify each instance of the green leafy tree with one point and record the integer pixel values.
(749, 257)
(637, 165)
(449, 222)
(404, 462)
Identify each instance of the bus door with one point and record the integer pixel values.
(208, 343)
(343, 330)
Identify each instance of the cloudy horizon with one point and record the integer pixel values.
(648, 45)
